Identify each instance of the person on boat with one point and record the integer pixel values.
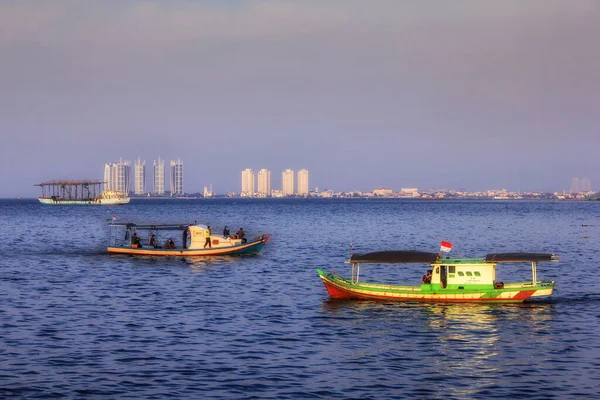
(241, 235)
(207, 233)
(169, 244)
(226, 232)
(427, 277)
(153, 241)
(135, 240)
(185, 237)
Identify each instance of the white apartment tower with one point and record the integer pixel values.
(302, 182)
(247, 183)
(116, 176)
(139, 181)
(575, 185)
(287, 182)
(586, 184)
(264, 183)
(177, 178)
(580, 185)
(159, 177)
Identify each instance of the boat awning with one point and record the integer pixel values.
(158, 227)
(519, 257)
(395, 256)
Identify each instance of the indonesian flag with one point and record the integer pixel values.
(446, 247)
(114, 218)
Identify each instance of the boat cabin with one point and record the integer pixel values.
(456, 273)
(197, 234)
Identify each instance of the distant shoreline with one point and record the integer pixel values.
(491, 199)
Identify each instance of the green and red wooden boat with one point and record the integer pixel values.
(456, 280)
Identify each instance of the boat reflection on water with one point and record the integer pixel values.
(484, 339)
(446, 342)
(199, 263)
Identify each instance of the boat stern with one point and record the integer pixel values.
(543, 289)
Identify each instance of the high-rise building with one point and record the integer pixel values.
(264, 183)
(586, 184)
(247, 183)
(302, 182)
(139, 181)
(117, 176)
(287, 182)
(177, 178)
(580, 185)
(575, 185)
(159, 177)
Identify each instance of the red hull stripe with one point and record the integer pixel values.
(337, 292)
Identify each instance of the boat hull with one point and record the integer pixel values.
(340, 288)
(246, 248)
(91, 202)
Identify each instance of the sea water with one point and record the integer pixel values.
(76, 322)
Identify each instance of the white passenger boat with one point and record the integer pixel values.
(178, 240)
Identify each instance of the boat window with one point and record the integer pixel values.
(451, 269)
(460, 273)
(469, 273)
(477, 273)
(437, 270)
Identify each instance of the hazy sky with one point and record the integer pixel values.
(363, 94)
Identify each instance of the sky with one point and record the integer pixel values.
(364, 94)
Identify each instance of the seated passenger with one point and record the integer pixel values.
(135, 241)
(241, 235)
(153, 242)
(169, 244)
(427, 277)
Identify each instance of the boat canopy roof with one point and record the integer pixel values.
(413, 256)
(519, 257)
(156, 227)
(395, 256)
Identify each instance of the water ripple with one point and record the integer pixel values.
(77, 323)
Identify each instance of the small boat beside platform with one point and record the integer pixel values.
(457, 280)
(178, 240)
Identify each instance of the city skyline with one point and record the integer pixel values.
(129, 174)
(394, 94)
(263, 187)
(117, 176)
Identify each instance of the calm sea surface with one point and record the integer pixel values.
(78, 323)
